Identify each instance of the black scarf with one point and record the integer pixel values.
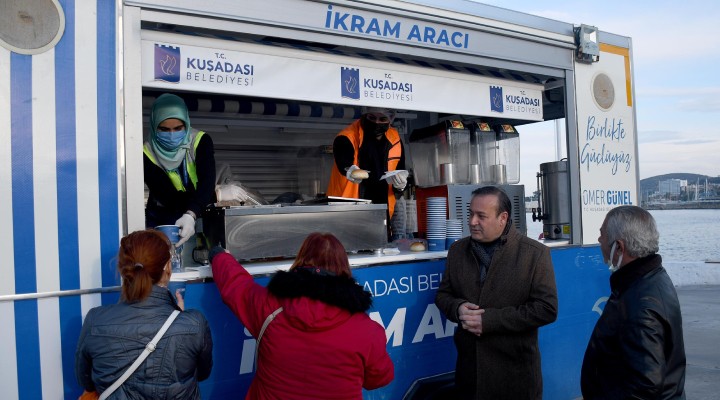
(339, 291)
(483, 252)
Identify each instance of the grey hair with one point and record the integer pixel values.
(634, 226)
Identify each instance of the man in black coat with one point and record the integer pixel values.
(636, 349)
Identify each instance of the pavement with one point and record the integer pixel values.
(700, 306)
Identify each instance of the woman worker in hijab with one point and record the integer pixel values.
(179, 166)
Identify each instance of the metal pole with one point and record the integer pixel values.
(58, 293)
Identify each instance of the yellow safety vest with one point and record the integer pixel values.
(190, 165)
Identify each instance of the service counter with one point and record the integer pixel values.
(359, 260)
(261, 268)
(419, 337)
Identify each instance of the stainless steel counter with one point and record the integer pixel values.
(356, 261)
(263, 232)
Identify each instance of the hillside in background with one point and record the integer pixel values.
(650, 185)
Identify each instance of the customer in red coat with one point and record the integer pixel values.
(322, 344)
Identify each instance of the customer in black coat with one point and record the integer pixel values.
(636, 349)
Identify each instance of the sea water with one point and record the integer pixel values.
(685, 235)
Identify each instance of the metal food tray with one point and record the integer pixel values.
(260, 232)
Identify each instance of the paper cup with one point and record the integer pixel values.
(171, 231)
(436, 244)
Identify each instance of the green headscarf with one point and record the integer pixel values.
(169, 106)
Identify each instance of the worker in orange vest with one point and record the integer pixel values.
(371, 144)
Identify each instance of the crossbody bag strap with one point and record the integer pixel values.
(149, 348)
(265, 324)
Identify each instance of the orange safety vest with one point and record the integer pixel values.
(339, 184)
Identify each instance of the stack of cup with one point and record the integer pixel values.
(173, 234)
(399, 219)
(411, 225)
(436, 216)
(453, 232)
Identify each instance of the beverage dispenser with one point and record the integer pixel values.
(483, 151)
(506, 169)
(554, 205)
(440, 154)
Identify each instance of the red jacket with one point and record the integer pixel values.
(321, 346)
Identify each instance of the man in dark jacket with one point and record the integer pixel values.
(636, 350)
(499, 286)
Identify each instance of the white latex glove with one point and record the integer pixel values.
(230, 193)
(348, 174)
(399, 180)
(187, 228)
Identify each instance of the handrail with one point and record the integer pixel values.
(57, 293)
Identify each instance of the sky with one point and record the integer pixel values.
(676, 61)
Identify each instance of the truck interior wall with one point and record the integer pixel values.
(273, 152)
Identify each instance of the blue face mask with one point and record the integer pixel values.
(170, 140)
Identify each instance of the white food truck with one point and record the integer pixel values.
(273, 82)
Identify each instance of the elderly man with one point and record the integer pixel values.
(636, 349)
(369, 144)
(499, 286)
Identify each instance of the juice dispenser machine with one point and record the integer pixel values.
(440, 154)
(483, 152)
(478, 154)
(507, 160)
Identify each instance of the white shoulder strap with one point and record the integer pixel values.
(265, 324)
(149, 348)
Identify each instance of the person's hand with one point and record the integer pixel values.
(230, 193)
(187, 228)
(398, 181)
(470, 316)
(215, 251)
(180, 299)
(349, 176)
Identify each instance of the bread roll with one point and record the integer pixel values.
(417, 246)
(360, 174)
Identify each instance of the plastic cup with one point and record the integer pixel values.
(436, 244)
(176, 285)
(176, 259)
(449, 242)
(171, 231)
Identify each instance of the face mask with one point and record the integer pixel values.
(170, 140)
(374, 128)
(612, 267)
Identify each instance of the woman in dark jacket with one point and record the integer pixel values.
(113, 336)
(321, 344)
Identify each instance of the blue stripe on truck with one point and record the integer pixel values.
(26, 312)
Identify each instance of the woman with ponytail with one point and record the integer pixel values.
(113, 336)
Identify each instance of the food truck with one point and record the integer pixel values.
(273, 82)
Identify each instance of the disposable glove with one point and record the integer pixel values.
(399, 180)
(230, 193)
(348, 174)
(187, 228)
